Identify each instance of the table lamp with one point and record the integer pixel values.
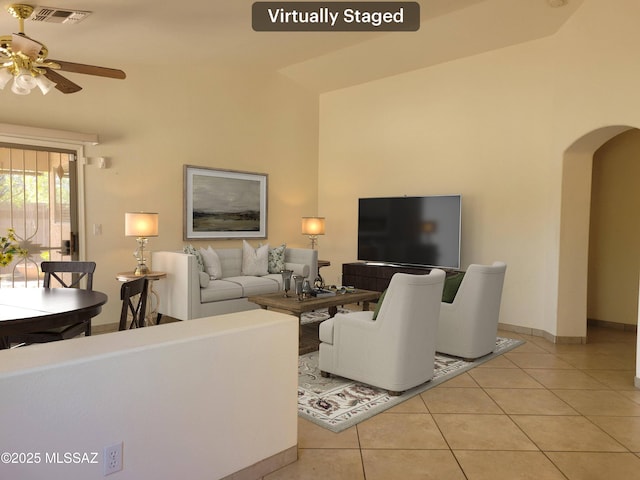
(313, 226)
(141, 225)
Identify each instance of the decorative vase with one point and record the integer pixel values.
(297, 281)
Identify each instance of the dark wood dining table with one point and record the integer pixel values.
(24, 310)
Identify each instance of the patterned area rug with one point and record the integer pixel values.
(319, 315)
(337, 403)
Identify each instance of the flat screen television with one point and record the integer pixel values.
(410, 230)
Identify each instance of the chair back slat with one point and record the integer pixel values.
(77, 325)
(79, 270)
(137, 309)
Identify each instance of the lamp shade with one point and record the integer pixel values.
(140, 224)
(313, 225)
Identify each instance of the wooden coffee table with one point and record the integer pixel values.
(298, 307)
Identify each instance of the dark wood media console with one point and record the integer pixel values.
(377, 277)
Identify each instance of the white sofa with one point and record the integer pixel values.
(188, 293)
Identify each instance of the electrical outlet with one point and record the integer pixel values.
(112, 459)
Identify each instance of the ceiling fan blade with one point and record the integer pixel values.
(26, 45)
(90, 70)
(63, 84)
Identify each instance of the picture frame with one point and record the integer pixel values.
(224, 204)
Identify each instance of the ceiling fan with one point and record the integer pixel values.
(24, 60)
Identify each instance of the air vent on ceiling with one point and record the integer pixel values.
(58, 15)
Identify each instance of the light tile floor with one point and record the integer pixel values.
(542, 411)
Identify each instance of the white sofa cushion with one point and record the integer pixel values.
(255, 285)
(220, 290)
(255, 261)
(276, 277)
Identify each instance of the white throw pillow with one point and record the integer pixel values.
(211, 263)
(255, 261)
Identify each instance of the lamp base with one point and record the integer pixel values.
(141, 269)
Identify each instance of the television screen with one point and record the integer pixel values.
(410, 230)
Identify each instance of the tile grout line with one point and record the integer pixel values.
(579, 414)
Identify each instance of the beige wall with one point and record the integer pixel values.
(473, 127)
(614, 241)
(150, 125)
(502, 129)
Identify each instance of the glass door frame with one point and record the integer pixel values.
(81, 160)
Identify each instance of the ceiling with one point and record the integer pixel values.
(120, 33)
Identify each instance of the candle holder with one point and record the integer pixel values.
(297, 281)
(286, 281)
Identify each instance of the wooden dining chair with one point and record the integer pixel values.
(79, 271)
(54, 275)
(130, 305)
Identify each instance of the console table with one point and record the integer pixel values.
(376, 277)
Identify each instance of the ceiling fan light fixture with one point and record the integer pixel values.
(18, 90)
(44, 84)
(25, 80)
(5, 77)
(25, 59)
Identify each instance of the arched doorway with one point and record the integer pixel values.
(614, 234)
(574, 231)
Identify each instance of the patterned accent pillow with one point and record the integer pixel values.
(255, 261)
(276, 259)
(190, 249)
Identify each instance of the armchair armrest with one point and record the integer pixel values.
(357, 320)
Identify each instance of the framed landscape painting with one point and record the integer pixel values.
(224, 204)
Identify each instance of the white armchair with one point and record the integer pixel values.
(468, 327)
(396, 351)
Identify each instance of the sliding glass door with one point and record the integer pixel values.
(38, 202)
